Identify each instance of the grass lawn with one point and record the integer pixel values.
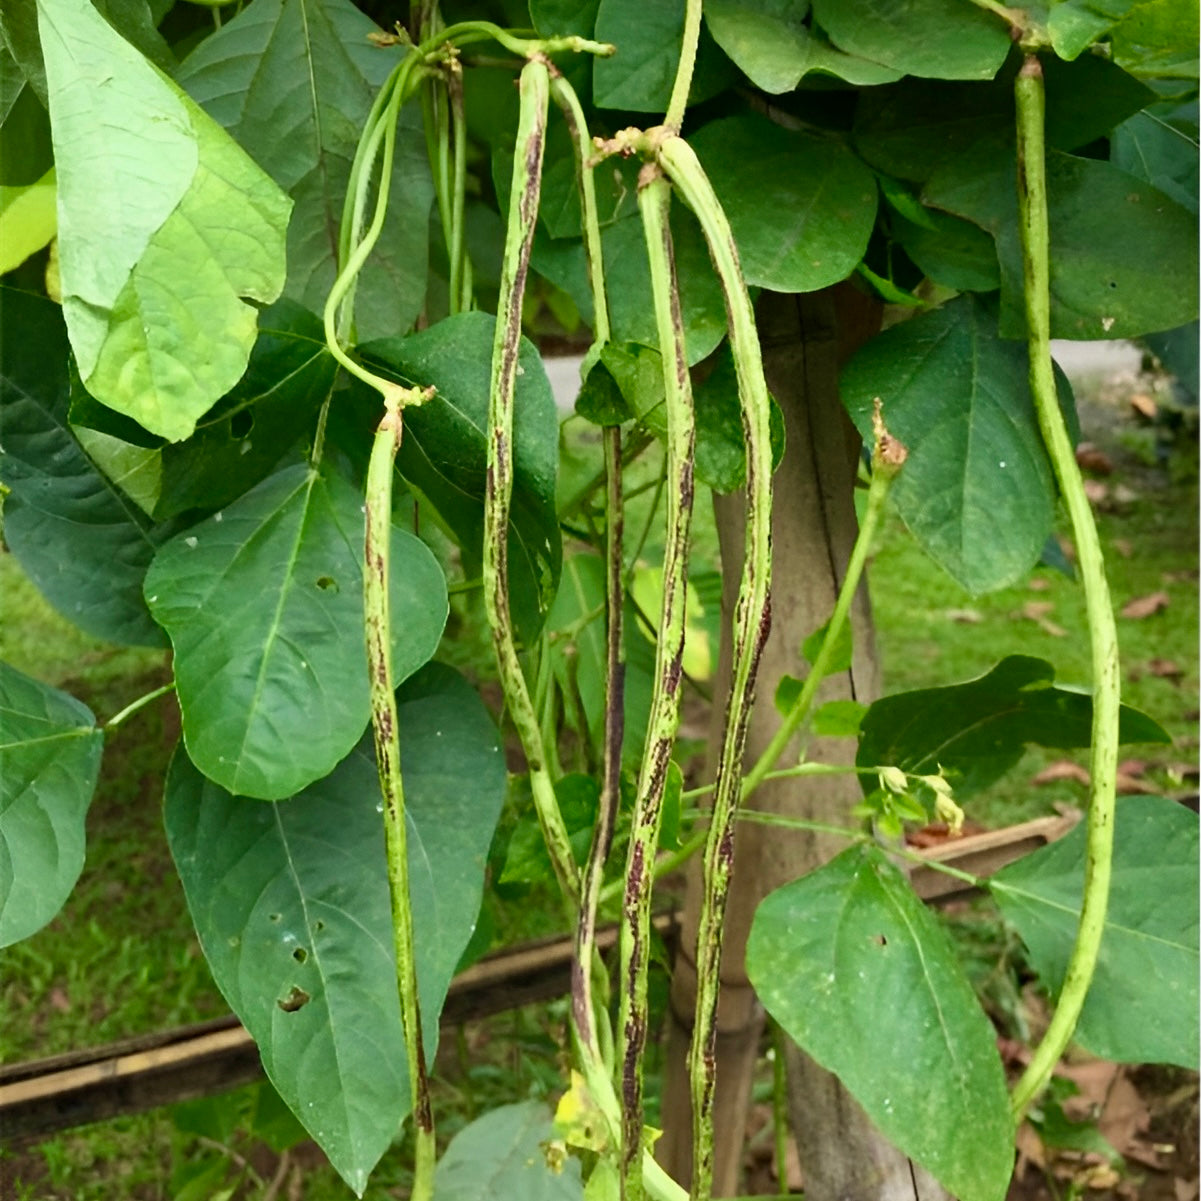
(121, 958)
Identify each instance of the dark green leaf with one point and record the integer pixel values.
(527, 860)
(720, 441)
(600, 399)
(640, 75)
(1142, 1007)
(49, 759)
(977, 731)
(1123, 255)
(502, 1156)
(25, 152)
(81, 541)
(954, 252)
(770, 42)
(19, 33)
(444, 451)
(801, 207)
(1074, 25)
(858, 971)
(264, 606)
(134, 21)
(627, 279)
(293, 83)
(156, 279)
(840, 654)
(556, 17)
(1161, 152)
(941, 39)
(977, 489)
(291, 902)
(1158, 38)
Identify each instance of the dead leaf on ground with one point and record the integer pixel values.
(59, 1000)
(1188, 576)
(1063, 769)
(1124, 547)
(1165, 669)
(971, 617)
(1144, 406)
(1036, 611)
(1097, 492)
(937, 833)
(1038, 584)
(1187, 1190)
(1146, 606)
(1091, 457)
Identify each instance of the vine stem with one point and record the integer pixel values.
(887, 459)
(136, 705)
(683, 81)
(654, 200)
(384, 722)
(523, 216)
(1103, 637)
(752, 621)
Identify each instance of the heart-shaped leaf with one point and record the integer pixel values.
(861, 975)
(293, 82)
(263, 603)
(49, 759)
(1142, 1006)
(80, 539)
(976, 489)
(977, 731)
(292, 908)
(155, 278)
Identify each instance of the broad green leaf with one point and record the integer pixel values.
(25, 152)
(49, 760)
(975, 732)
(293, 82)
(238, 442)
(263, 603)
(555, 17)
(156, 277)
(526, 858)
(81, 541)
(1143, 1003)
(136, 22)
(913, 128)
(627, 279)
(941, 39)
(1163, 152)
(954, 252)
(292, 907)
(1074, 25)
(1104, 284)
(801, 207)
(977, 489)
(770, 42)
(503, 1155)
(861, 975)
(838, 719)
(1158, 38)
(444, 451)
(648, 38)
(27, 220)
(19, 33)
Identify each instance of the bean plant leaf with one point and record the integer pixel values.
(940, 39)
(503, 1155)
(648, 38)
(1158, 39)
(1161, 151)
(293, 82)
(19, 33)
(25, 151)
(49, 761)
(84, 544)
(444, 451)
(27, 220)
(238, 442)
(1101, 286)
(829, 955)
(976, 490)
(1143, 1003)
(292, 908)
(977, 731)
(155, 277)
(770, 41)
(1074, 25)
(263, 602)
(950, 251)
(801, 207)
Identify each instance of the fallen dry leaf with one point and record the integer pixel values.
(1133, 786)
(1036, 611)
(1096, 491)
(971, 617)
(1063, 769)
(1038, 584)
(1123, 495)
(1165, 669)
(1092, 458)
(1146, 606)
(1144, 406)
(1124, 547)
(1178, 577)
(937, 833)
(1132, 767)
(1187, 1190)
(59, 1000)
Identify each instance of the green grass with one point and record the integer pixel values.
(121, 957)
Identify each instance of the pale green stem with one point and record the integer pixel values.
(1103, 637)
(779, 1106)
(437, 149)
(654, 199)
(134, 706)
(385, 727)
(877, 497)
(751, 623)
(460, 274)
(683, 81)
(523, 216)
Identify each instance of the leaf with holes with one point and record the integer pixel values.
(292, 907)
(49, 760)
(263, 603)
(1142, 1006)
(832, 956)
(156, 278)
(293, 82)
(80, 539)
